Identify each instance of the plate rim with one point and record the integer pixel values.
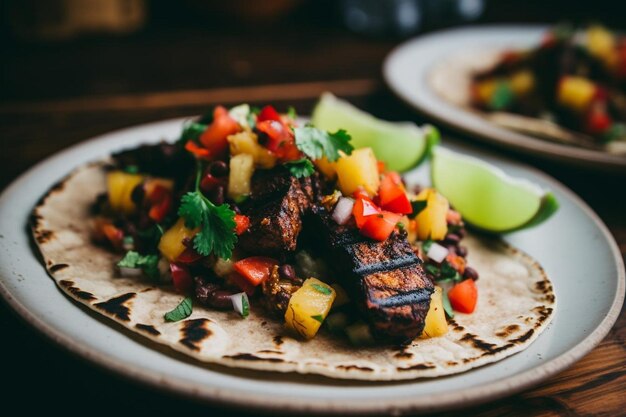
(481, 129)
(406, 404)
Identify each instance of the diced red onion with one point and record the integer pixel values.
(437, 253)
(238, 303)
(343, 210)
(130, 272)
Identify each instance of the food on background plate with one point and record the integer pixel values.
(258, 242)
(570, 88)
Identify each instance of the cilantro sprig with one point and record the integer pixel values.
(216, 223)
(300, 168)
(181, 311)
(316, 143)
(147, 263)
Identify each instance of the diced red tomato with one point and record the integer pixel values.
(360, 193)
(281, 141)
(598, 120)
(380, 226)
(181, 277)
(159, 211)
(463, 296)
(214, 138)
(255, 269)
(114, 235)
(198, 151)
(453, 217)
(242, 283)
(362, 209)
(242, 223)
(189, 256)
(268, 113)
(381, 167)
(158, 193)
(392, 196)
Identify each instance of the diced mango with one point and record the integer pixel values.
(484, 90)
(435, 324)
(120, 187)
(241, 170)
(601, 44)
(522, 82)
(152, 183)
(327, 168)
(247, 142)
(576, 93)
(358, 170)
(308, 307)
(431, 221)
(171, 243)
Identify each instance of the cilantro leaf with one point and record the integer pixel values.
(447, 307)
(181, 311)
(291, 113)
(191, 131)
(418, 206)
(147, 263)
(426, 245)
(321, 289)
(447, 271)
(131, 169)
(318, 317)
(300, 168)
(192, 209)
(316, 143)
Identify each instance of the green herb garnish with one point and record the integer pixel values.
(426, 245)
(322, 289)
(147, 263)
(131, 169)
(291, 113)
(418, 206)
(447, 270)
(182, 311)
(300, 168)
(447, 307)
(318, 317)
(502, 96)
(316, 143)
(432, 270)
(191, 131)
(245, 306)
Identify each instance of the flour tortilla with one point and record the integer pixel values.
(451, 80)
(515, 304)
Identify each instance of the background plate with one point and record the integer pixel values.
(560, 245)
(407, 68)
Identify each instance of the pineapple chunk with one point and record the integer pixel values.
(327, 168)
(431, 221)
(241, 170)
(576, 93)
(171, 243)
(360, 169)
(120, 187)
(484, 90)
(602, 45)
(308, 307)
(247, 142)
(522, 82)
(435, 324)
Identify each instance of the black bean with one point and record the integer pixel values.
(452, 238)
(220, 299)
(218, 168)
(286, 271)
(470, 273)
(217, 195)
(461, 251)
(461, 232)
(168, 150)
(137, 194)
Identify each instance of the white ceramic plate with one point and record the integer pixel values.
(575, 248)
(407, 71)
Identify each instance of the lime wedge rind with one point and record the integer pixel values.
(488, 199)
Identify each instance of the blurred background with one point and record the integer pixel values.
(73, 69)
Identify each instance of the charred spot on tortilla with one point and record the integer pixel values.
(355, 368)
(508, 330)
(148, 289)
(403, 355)
(57, 267)
(486, 347)
(35, 219)
(77, 292)
(148, 328)
(452, 363)
(193, 332)
(251, 357)
(544, 314)
(43, 236)
(417, 367)
(117, 306)
(543, 286)
(523, 337)
(277, 352)
(278, 340)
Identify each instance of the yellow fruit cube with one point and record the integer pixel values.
(241, 170)
(308, 307)
(522, 82)
(358, 170)
(247, 142)
(171, 243)
(576, 92)
(120, 187)
(435, 324)
(327, 168)
(431, 221)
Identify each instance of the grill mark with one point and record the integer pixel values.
(404, 298)
(403, 355)
(148, 328)
(523, 337)
(193, 332)
(277, 352)
(116, 306)
(386, 266)
(417, 367)
(57, 267)
(77, 292)
(251, 357)
(43, 236)
(508, 330)
(486, 347)
(278, 340)
(354, 368)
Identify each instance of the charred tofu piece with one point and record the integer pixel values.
(277, 203)
(385, 279)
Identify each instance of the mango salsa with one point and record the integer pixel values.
(575, 93)
(326, 167)
(435, 322)
(120, 187)
(358, 170)
(241, 170)
(308, 307)
(171, 243)
(247, 142)
(431, 221)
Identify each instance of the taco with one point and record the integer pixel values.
(571, 88)
(255, 243)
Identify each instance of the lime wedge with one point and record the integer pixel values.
(486, 197)
(401, 146)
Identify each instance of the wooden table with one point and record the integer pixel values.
(81, 92)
